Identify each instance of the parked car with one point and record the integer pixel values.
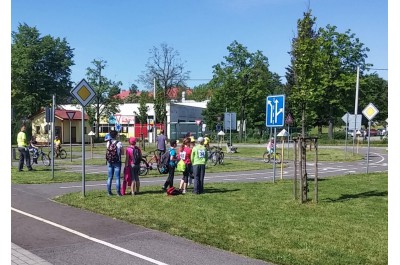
(374, 132)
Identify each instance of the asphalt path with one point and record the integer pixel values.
(65, 235)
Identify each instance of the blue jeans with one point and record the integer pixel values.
(114, 169)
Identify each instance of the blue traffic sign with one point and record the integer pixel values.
(117, 127)
(275, 111)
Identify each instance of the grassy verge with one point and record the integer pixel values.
(349, 225)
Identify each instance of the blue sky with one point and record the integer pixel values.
(122, 32)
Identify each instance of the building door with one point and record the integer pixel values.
(73, 134)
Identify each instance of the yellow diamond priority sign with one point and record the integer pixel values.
(370, 111)
(83, 92)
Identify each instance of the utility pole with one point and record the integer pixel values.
(154, 108)
(356, 107)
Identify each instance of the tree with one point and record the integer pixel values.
(143, 109)
(164, 66)
(340, 54)
(306, 67)
(40, 67)
(159, 107)
(374, 89)
(200, 93)
(241, 84)
(104, 103)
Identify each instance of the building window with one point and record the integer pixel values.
(37, 129)
(46, 129)
(124, 129)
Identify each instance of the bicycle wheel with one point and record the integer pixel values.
(221, 157)
(266, 157)
(215, 158)
(144, 168)
(63, 154)
(45, 160)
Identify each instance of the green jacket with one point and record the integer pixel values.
(199, 155)
(21, 139)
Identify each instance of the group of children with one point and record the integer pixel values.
(194, 158)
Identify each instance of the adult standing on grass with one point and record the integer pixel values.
(113, 156)
(171, 166)
(133, 156)
(23, 150)
(199, 160)
(184, 154)
(161, 141)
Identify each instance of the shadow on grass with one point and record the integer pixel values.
(221, 190)
(346, 197)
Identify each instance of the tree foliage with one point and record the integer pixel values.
(200, 93)
(40, 67)
(104, 103)
(143, 109)
(241, 84)
(322, 75)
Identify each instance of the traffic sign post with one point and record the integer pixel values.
(230, 123)
(84, 94)
(369, 112)
(70, 115)
(345, 118)
(275, 117)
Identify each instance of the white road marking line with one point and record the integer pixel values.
(90, 238)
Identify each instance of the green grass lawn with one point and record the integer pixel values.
(349, 224)
(248, 158)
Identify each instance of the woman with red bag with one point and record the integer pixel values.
(133, 156)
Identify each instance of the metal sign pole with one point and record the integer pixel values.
(83, 150)
(273, 178)
(52, 135)
(70, 140)
(369, 136)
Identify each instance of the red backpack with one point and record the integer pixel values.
(173, 191)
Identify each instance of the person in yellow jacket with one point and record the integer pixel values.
(23, 150)
(57, 144)
(198, 157)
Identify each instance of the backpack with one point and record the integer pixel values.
(164, 163)
(173, 191)
(137, 156)
(165, 158)
(112, 153)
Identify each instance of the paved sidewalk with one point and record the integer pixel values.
(21, 256)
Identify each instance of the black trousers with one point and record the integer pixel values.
(24, 155)
(170, 180)
(199, 172)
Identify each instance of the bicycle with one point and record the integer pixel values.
(61, 153)
(216, 156)
(40, 155)
(269, 157)
(152, 163)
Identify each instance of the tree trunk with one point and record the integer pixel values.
(303, 119)
(330, 130)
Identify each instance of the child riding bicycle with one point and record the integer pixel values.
(271, 145)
